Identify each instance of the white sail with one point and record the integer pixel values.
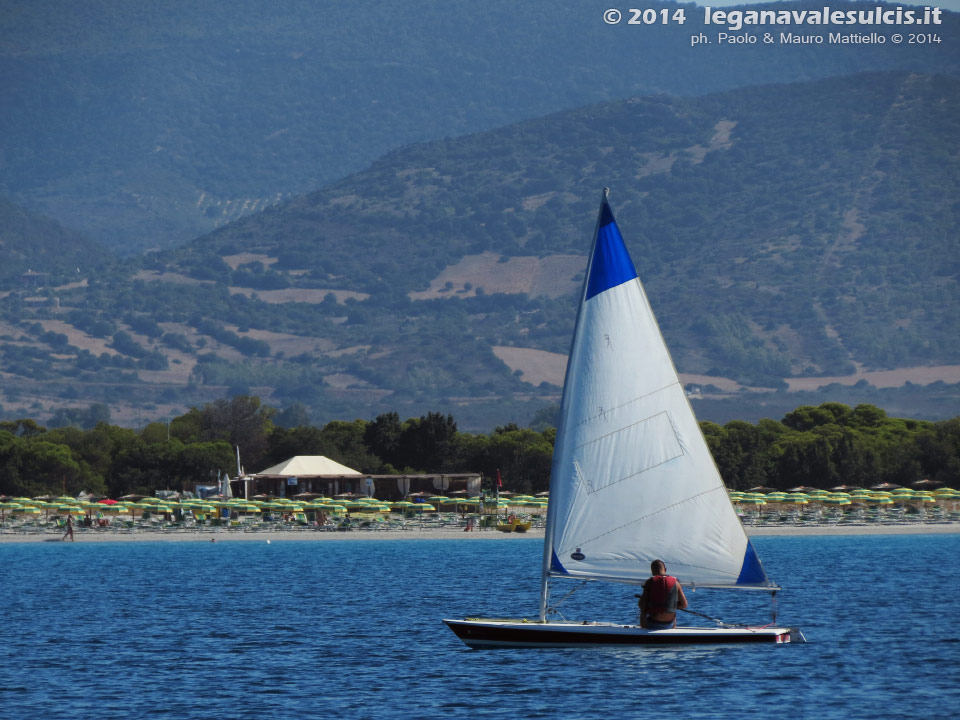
(632, 477)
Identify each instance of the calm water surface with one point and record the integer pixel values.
(352, 629)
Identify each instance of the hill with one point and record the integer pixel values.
(147, 124)
(30, 242)
(782, 232)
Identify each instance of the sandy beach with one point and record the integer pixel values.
(223, 535)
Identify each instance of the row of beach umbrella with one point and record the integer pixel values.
(72, 506)
(862, 496)
(65, 505)
(132, 505)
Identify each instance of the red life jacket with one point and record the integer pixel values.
(661, 594)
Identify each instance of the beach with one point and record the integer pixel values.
(428, 533)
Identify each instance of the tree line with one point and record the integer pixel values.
(821, 447)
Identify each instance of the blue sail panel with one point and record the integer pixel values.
(611, 264)
(556, 567)
(752, 572)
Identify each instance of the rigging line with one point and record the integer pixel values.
(700, 614)
(718, 621)
(555, 608)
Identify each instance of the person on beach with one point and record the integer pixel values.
(69, 529)
(662, 597)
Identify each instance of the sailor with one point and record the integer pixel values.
(662, 597)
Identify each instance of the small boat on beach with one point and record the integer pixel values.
(632, 478)
(514, 524)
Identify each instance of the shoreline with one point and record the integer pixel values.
(901, 529)
(96, 536)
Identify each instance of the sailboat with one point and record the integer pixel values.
(632, 478)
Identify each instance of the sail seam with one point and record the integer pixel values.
(583, 543)
(621, 429)
(658, 424)
(604, 411)
(592, 490)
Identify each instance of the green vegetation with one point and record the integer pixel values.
(780, 231)
(833, 444)
(37, 251)
(813, 446)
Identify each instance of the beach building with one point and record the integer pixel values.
(320, 475)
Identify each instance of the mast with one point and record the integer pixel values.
(551, 508)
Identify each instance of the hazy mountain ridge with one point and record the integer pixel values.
(789, 202)
(31, 242)
(780, 231)
(147, 124)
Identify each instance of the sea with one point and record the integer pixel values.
(352, 629)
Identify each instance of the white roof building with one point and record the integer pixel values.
(307, 466)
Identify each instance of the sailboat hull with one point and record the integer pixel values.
(481, 633)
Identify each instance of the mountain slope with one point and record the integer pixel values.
(145, 124)
(30, 241)
(818, 215)
(781, 231)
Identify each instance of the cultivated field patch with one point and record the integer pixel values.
(311, 296)
(170, 277)
(78, 338)
(535, 366)
(551, 276)
(235, 261)
(289, 345)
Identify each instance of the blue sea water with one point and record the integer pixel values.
(353, 630)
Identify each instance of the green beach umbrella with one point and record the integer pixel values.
(70, 510)
(9, 507)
